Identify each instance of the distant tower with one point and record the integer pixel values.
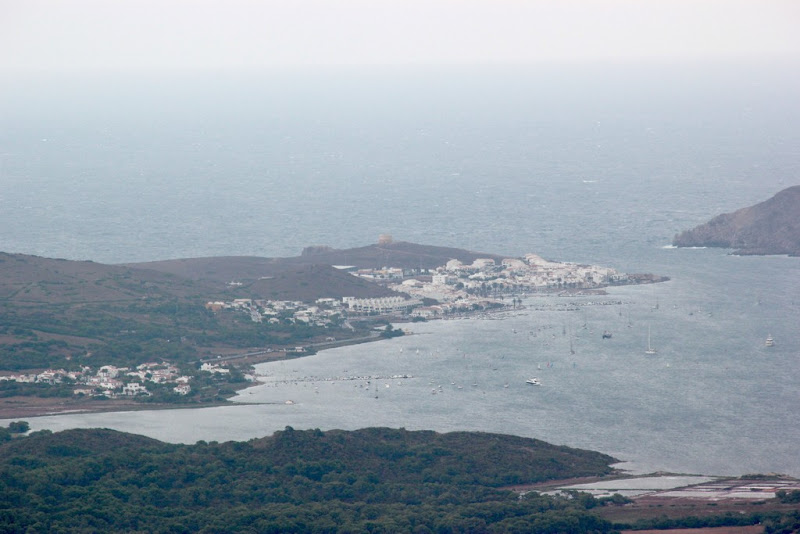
(385, 239)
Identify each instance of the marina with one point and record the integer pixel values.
(654, 414)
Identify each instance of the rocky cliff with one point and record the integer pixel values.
(770, 227)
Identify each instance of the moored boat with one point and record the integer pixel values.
(650, 349)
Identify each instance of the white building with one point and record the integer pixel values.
(439, 279)
(482, 263)
(108, 371)
(212, 368)
(514, 263)
(380, 305)
(453, 265)
(134, 388)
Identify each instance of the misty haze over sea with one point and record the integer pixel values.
(598, 164)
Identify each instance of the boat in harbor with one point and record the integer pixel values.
(650, 349)
(533, 381)
(769, 342)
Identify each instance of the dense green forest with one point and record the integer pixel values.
(372, 480)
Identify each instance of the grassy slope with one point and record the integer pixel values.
(53, 311)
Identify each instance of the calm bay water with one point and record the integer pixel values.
(580, 165)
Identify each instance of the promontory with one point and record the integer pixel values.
(770, 227)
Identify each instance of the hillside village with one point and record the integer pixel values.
(418, 294)
(113, 382)
(458, 287)
(449, 289)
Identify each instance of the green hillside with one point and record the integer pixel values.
(63, 314)
(371, 480)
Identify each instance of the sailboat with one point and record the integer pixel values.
(650, 349)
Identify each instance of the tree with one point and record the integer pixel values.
(19, 427)
(389, 332)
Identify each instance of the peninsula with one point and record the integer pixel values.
(770, 227)
(79, 335)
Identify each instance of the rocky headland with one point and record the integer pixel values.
(770, 227)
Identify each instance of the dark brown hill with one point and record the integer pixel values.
(33, 279)
(55, 311)
(310, 282)
(770, 227)
(26, 279)
(221, 269)
(311, 275)
(396, 254)
(268, 278)
(250, 268)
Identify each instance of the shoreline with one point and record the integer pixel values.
(16, 408)
(24, 407)
(32, 410)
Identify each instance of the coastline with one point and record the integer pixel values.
(22, 407)
(15, 408)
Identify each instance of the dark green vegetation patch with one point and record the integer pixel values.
(372, 480)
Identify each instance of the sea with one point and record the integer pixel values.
(588, 163)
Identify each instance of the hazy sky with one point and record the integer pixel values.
(135, 34)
